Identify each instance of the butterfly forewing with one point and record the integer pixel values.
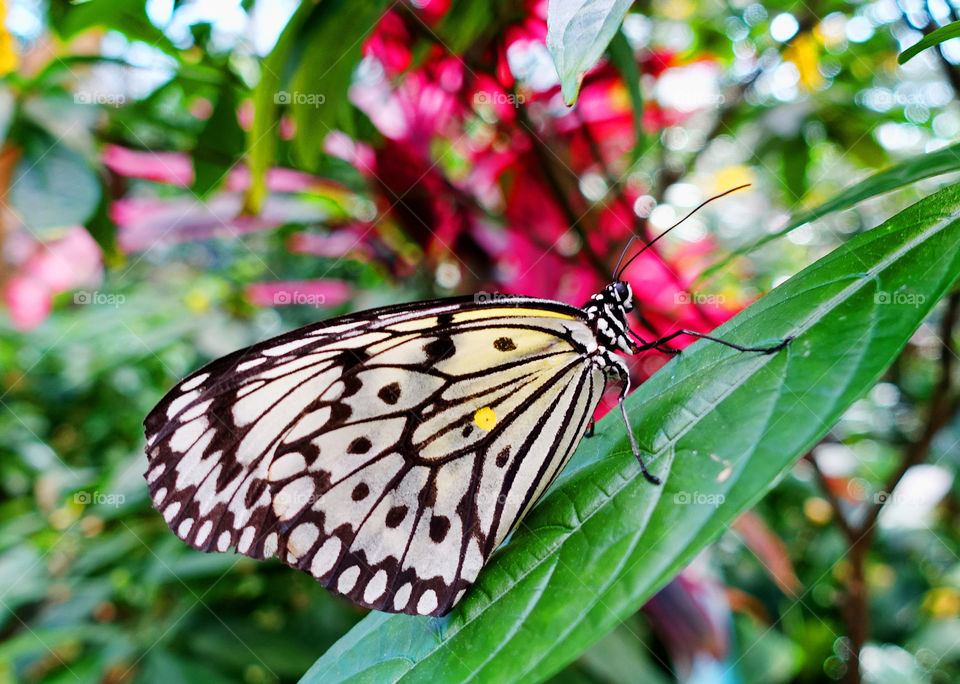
(386, 453)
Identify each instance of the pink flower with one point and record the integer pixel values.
(320, 292)
(174, 168)
(53, 267)
(146, 223)
(345, 242)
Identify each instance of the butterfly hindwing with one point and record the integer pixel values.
(386, 453)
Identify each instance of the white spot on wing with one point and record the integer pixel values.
(294, 497)
(427, 603)
(185, 526)
(194, 383)
(270, 545)
(196, 411)
(223, 541)
(246, 365)
(171, 511)
(472, 562)
(285, 466)
(326, 557)
(348, 579)
(282, 349)
(246, 539)
(375, 587)
(402, 596)
(188, 434)
(180, 403)
(302, 538)
(155, 473)
(204, 531)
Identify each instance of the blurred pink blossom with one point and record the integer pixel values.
(319, 292)
(339, 243)
(143, 223)
(71, 261)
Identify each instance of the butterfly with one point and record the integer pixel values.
(389, 452)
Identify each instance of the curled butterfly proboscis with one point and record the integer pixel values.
(388, 453)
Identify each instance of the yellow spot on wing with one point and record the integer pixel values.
(485, 418)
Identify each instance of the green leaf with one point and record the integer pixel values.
(720, 428)
(578, 32)
(53, 185)
(917, 168)
(220, 144)
(262, 139)
(316, 53)
(622, 57)
(935, 37)
(331, 48)
(129, 18)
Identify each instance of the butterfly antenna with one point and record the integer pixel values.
(619, 271)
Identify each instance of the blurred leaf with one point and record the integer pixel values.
(161, 666)
(466, 22)
(796, 160)
(331, 44)
(621, 54)
(935, 37)
(129, 18)
(578, 32)
(906, 172)
(262, 139)
(765, 656)
(603, 540)
(53, 186)
(622, 656)
(220, 144)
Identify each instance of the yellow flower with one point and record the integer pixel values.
(804, 52)
(9, 60)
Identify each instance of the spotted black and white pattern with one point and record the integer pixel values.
(386, 453)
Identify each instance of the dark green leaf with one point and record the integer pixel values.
(906, 172)
(220, 144)
(795, 160)
(578, 32)
(935, 37)
(719, 426)
(621, 54)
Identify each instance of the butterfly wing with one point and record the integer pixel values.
(386, 453)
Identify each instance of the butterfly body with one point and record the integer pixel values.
(387, 453)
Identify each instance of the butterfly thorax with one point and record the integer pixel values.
(606, 314)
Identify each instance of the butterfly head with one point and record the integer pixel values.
(607, 311)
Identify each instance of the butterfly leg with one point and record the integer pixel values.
(657, 344)
(590, 429)
(619, 370)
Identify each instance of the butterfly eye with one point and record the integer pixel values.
(624, 294)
